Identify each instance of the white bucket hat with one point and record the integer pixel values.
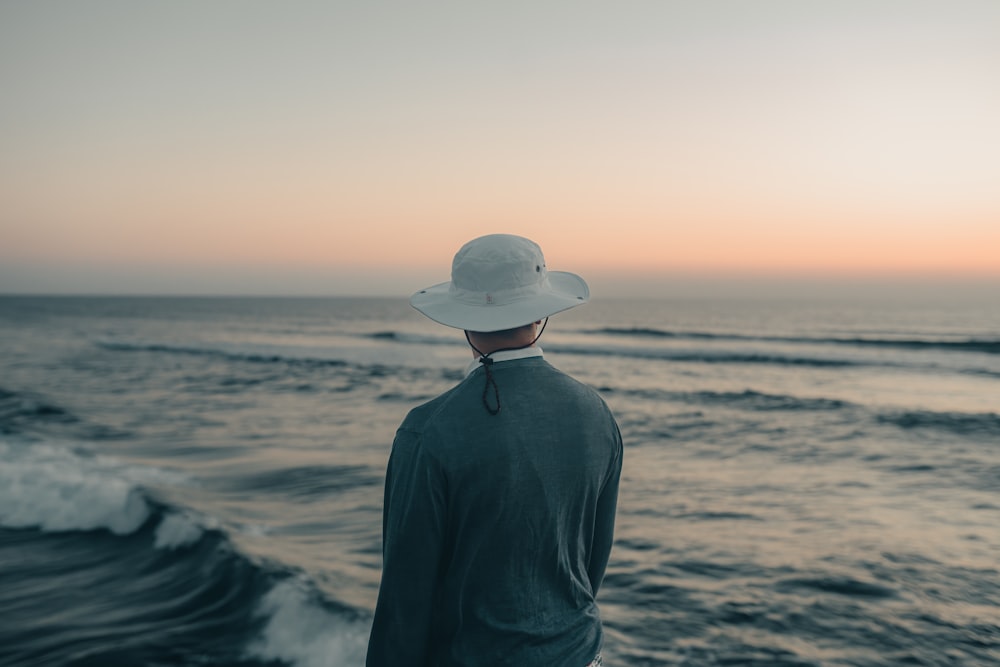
(500, 282)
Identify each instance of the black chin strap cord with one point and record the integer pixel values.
(487, 363)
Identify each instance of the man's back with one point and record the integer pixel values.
(498, 526)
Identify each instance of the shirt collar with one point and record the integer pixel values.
(506, 355)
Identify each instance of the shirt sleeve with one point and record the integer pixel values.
(413, 526)
(604, 520)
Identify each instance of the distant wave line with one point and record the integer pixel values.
(961, 423)
(987, 346)
(665, 355)
(755, 400)
(413, 339)
(707, 357)
(16, 406)
(254, 357)
(22, 413)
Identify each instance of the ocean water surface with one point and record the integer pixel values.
(198, 481)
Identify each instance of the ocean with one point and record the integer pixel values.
(198, 481)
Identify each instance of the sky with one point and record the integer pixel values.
(327, 148)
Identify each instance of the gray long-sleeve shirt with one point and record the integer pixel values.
(497, 528)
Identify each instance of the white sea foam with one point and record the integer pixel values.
(176, 531)
(301, 632)
(57, 488)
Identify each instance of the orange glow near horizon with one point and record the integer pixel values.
(670, 242)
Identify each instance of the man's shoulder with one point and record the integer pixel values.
(417, 419)
(564, 384)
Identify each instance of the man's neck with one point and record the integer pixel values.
(484, 344)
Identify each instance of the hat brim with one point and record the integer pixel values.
(565, 290)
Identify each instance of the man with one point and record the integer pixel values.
(500, 494)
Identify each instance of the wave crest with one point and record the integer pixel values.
(302, 631)
(57, 488)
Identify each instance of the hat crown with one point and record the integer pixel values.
(498, 263)
(500, 282)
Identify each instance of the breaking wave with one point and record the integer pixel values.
(147, 583)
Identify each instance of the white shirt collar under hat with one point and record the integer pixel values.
(505, 355)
